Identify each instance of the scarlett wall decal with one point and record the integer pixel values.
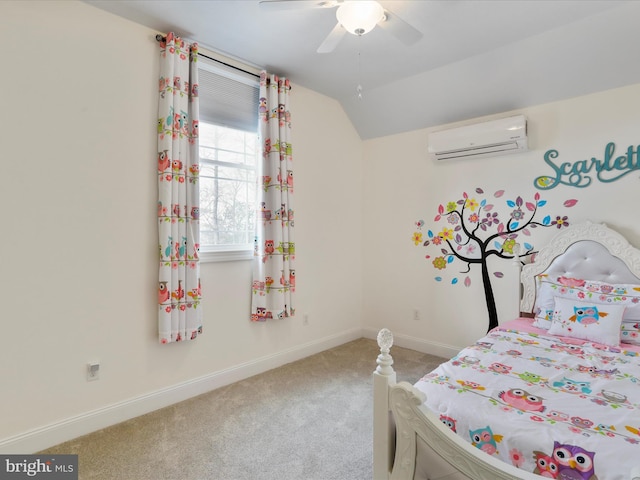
(475, 232)
(576, 174)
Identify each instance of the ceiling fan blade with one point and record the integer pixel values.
(297, 4)
(333, 39)
(400, 29)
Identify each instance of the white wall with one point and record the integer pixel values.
(402, 185)
(79, 242)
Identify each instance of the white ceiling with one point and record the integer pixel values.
(477, 57)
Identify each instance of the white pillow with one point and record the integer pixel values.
(591, 321)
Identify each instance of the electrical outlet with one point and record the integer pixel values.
(416, 314)
(93, 371)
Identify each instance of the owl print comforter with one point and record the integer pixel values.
(558, 407)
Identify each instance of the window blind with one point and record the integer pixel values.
(228, 97)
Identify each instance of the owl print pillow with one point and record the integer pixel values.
(630, 332)
(543, 318)
(595, 322)
(547, 288)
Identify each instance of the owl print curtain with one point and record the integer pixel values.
(179, 308)
(274, 254)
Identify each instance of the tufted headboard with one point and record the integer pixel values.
(590, 251)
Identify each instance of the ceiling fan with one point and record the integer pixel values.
(357, 17)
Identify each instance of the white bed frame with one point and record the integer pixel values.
(410, 441)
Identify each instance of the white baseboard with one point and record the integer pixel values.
(76, 426)
(417, 344)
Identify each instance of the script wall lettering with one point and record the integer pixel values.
(581, 172)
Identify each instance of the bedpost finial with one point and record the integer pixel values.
(385, 339)
(384, 360)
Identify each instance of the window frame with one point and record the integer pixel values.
(227, 253)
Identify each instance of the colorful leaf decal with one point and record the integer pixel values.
(511, 203)
(498, 245)
(429, 233)
(479, 191)
(488, 208)
(546, 220)
(528, 246)
(454, 281)
(450, 258)
(440, 209)
(438, 279)
(499, 193)
(526, 232)
(467, 282)
(515, 224)
(530, 206)
(498, 274)
(437, 218)
(542, 203)
(570, 203)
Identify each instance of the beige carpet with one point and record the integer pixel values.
(308, 420)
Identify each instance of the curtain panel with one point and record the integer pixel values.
(179, 293)
(274, 276)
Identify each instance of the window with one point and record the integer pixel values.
(227, 188)
(229, 150)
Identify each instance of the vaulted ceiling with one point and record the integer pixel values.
(475, 57)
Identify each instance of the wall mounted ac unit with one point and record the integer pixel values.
(486, 139)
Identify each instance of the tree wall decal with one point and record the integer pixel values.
(474, 232)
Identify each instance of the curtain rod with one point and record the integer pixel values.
(159, 38)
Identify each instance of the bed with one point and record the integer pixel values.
(553, 393)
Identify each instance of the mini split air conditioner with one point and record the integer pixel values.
(486, 139)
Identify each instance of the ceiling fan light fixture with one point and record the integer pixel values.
(359, 16)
